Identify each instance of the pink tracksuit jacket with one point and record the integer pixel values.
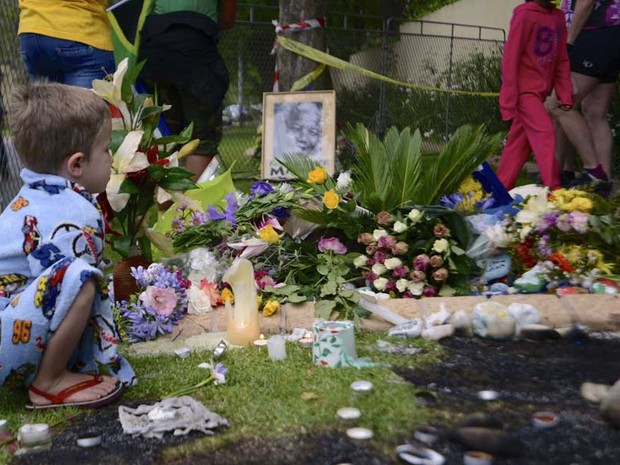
(535, 61)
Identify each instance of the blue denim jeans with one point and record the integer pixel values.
(64, 61)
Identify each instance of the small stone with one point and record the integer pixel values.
(492, 320)
(488, 440)
(437, 318)
(610, 406)
(593, 392)
(409, 329)
(435, 333)
(461, 322)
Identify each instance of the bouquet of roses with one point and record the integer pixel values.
(160, 303)
(414, 253)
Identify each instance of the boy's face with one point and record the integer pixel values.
(98, 165)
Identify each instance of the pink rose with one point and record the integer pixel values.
(400, 248)
(386, 241)
(420, 262)
(381, 257)
(417, 276)
(400, 271)
(429, 291)
(162, 300)
(436, 261)
(332, 244)
(440, 230)
(365, 238)
(384, 218)
(371, 249)
(440, 275)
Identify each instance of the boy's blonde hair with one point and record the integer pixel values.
(50, 121)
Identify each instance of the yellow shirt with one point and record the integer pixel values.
(83, 21)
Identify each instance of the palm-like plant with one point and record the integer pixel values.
(393, 173)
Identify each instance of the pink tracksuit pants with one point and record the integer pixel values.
(532, 130)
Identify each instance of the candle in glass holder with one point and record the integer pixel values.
(276, 347)
(261, 341)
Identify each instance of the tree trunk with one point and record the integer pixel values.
(290, 65)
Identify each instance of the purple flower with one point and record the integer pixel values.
(546, 220)
(260, 188)
(579, 221)
(563, 223)
(332, 244)
(421, 262)
(229, 214)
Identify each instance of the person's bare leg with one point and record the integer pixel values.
(574, 124)
(197, 164)
(595, 108)
(52, 375)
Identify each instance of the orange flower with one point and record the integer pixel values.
(211, 290)
(560, 260)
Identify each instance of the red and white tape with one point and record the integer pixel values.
(294, 27)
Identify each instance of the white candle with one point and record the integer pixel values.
(276, 346)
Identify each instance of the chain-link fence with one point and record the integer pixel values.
(11, 72)
(429, 54)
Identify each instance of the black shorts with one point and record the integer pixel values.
(596, 53)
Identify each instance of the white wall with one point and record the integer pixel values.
(488, 13)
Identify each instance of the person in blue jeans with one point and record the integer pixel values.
(66, 41)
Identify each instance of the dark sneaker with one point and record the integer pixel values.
(566, 177)
(589, 182)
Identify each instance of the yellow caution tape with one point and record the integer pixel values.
(329, 60)
(306, 80)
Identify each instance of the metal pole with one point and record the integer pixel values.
(448, 97)
(382, 120)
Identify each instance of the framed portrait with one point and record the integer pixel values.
(298, 123)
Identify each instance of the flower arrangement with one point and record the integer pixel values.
(145, 166)
(569, 234)
(415, 254)
(160, 303)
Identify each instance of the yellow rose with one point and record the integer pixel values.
(227, 295)
(268, 234)
(317, 176)
(331, 199)
(583, 204)
(271, 307)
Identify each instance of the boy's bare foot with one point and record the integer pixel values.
(52, 388)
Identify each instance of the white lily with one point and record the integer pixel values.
(110, 91)
(127, 159)
(251, 247)
(163, 195)
(535, 206)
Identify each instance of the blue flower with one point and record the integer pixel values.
(281, 213)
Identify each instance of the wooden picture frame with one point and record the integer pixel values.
(298, 122)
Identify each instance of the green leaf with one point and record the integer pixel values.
(324, 308)
(322, 270)
(128, 187)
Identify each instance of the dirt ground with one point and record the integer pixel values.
(528, 376)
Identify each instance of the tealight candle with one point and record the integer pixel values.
(361, 386)
(488, 395)
(359, 434)
(348, 414)
(261, 341)
(545, 419)
(34, 434)
(307, 341)
(476, 457)
(276, 347)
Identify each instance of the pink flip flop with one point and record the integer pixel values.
(58, 400)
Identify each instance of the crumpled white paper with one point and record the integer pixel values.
(180, 415)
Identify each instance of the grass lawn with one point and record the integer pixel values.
(270, 399)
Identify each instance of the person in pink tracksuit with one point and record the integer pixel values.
(535, 61)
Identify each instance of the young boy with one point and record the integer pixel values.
(535, 61)
(56, 319)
